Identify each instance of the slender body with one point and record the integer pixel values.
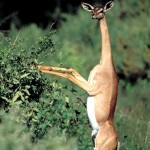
(104, 97)
(102, 86)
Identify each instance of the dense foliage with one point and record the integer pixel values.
(43, 104)
(48, 112)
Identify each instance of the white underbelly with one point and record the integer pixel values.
(91, 113)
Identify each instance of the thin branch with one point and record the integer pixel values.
(8, 17)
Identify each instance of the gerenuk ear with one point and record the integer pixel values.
(108, 5)
(87, 7)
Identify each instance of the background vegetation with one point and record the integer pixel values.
(45, 112)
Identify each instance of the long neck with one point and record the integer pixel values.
(106, 54)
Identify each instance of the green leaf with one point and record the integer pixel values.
(16, 96)
(18, 102)
(15, 81)
(27, 86)
(22, 98)
(24, 75)
(36, 109)
(5, 98)
(67, 99)
(26, 91)
(34, 120)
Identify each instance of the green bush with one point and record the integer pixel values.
(42, 103)
(19, 83)
(13, 135)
